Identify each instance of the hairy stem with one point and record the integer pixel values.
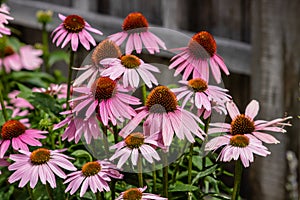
(238, 170)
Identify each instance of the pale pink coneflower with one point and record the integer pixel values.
(15, 133)
(135, 30)
(196, 58)
(74, 29)
(138, 194)
(3, 163)
(130, 68)
(236, 147)
(4, 17)
(164, 115)
(27, 58)
(105, 95)
(136, 145)
(105, 49)
(55, 90)
(40, 164)
(77, 126)
(95, 175)
(205, 97)
(245, 124)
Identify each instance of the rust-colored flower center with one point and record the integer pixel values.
(242, 125)
(206, 40)
(106, 49)
(12, 129)
(103, 88)
(132, 194)
(91, 168)
(198, 84)
(134, 20)
(6, 51)
(134, 140)
(74, 23)
(40, 156)
(130, 61)
(161, 99)
(239, 141)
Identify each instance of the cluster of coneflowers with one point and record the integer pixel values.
(101, 101)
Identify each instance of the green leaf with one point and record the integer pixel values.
(44, 102)
(82, 154)
(181, 187)
(25, 92)
(205, 173)
(56, 56)
(39, 79)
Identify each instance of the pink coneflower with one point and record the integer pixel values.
(60, 91)
(236, 147)
(94, 175)
(19, 102)
(130, 68)
(4, 17)
(17, 112)
(138, 194)
(135, 28)
(202, 95)
(78, 125)
(27, 58)
(164, 115)
(106, 95)
(105, 49)
(245, 124)
(136, 144)
(3, 163)
(40, 164)
(16, 133)
(200, 53)
(72, 29)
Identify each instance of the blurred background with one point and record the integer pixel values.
(259, 41)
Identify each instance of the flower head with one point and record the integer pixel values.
(200, 94)
(136, 144)
(130, 68)
(245, 124)
(105, 95)
(240, 146)
(74, 29)
(138, 194)
(135, 30)
(27, 58)
(163, 115)
(39, 164)
(78, 125)
(95, 175)
(16, 133)
(105, 49)
(200, 53)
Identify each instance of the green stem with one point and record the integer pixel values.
(238, 170)
(140, 171)
(49, 191)
(165, 176)
(72, 53)
(45, 47)
(113, 189)
(115, 130)
(144, 93)
(154, 177)
(98, 196)
(206, 126)
(29, 189)
(190, 163)
(4, 112)
(105, 140)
